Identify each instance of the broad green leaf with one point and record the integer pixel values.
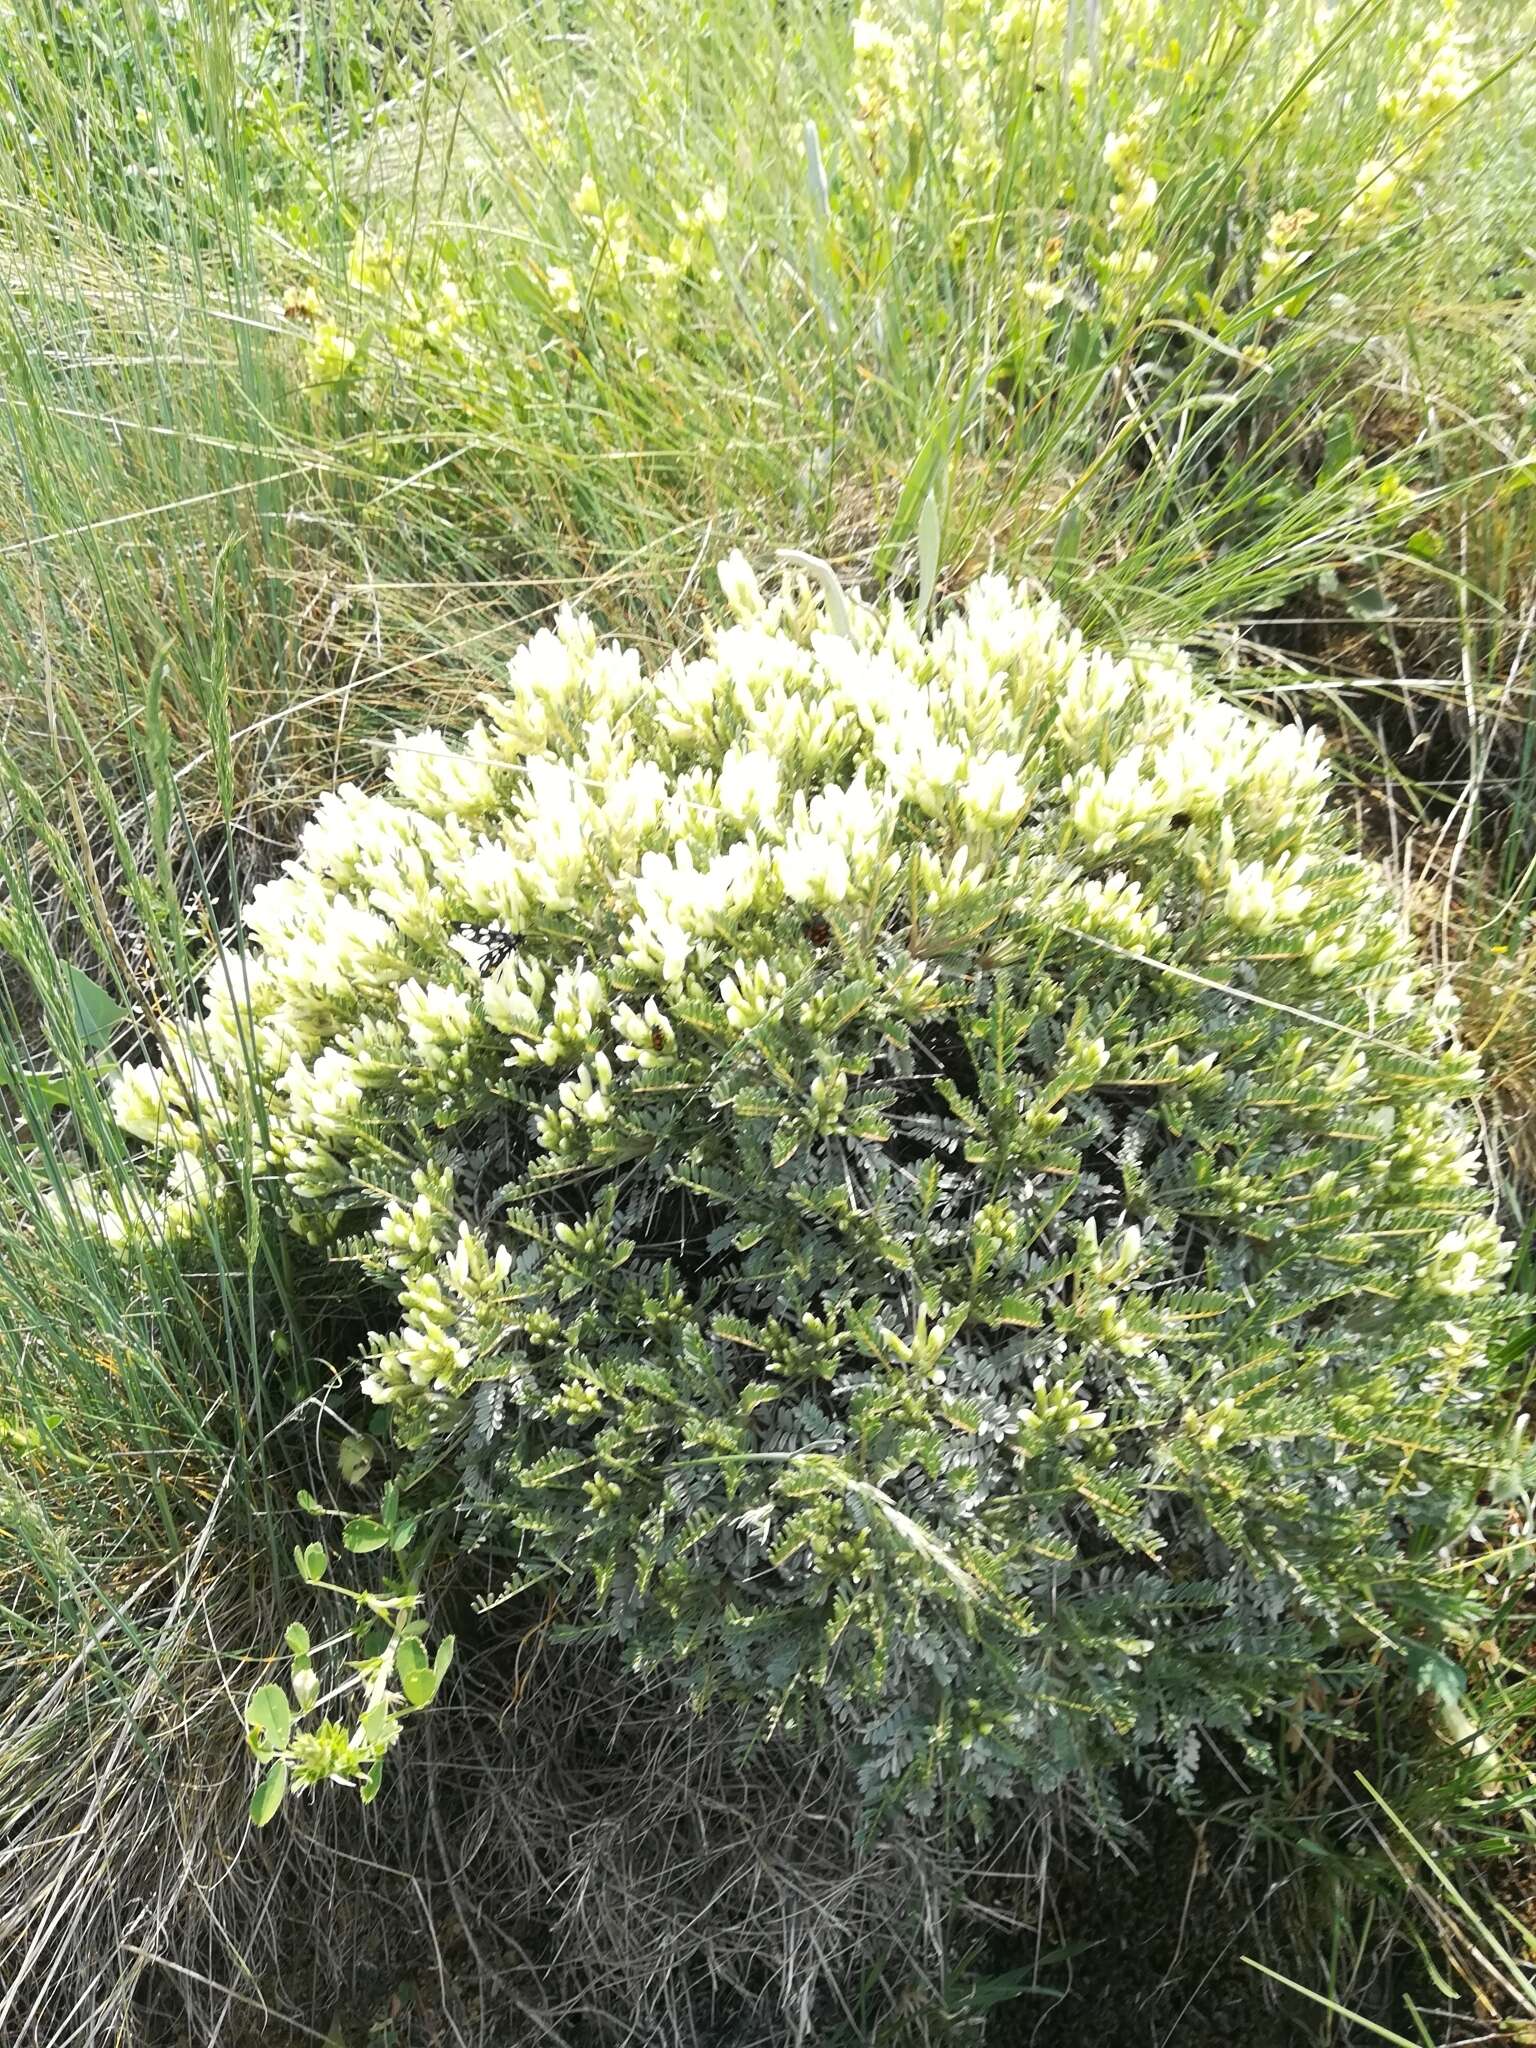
(268, 1796)
(1339, 447)
(420, 1687)
(921, 484)
(97, 1015)
(296, 1636)
(1432, 1671)
(987, 1992)
(418, 1680)
(363, 1533)
(1065, 547)
(268, 1717)
(927, 553)
(310, 1560)
(816, 172)
(47, 1088)
(1369, 603)
(377, 1725)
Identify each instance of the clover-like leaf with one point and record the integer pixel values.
(364, 1533)
(268, 1719)
(418, 1679)
(268, 1796)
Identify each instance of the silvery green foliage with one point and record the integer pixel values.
(917, 1178)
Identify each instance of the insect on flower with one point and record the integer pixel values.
(486, 946)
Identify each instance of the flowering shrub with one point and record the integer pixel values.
(916, 1176)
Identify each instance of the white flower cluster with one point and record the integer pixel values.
(612, 871)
